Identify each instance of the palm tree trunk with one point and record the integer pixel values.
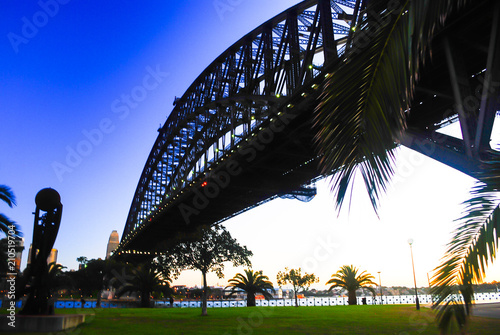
(352, 298)
(145, 299)
(98, 302)
(205, 293)
(250, 299)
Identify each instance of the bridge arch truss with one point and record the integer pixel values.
(276, 70)
(234, 95)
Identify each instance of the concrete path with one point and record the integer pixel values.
(491, 310)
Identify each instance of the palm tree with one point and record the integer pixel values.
(146, 279)
(347, 277)
(82, 260)
(251, 282)
(9, 198)
(41, 290)
(56, 278)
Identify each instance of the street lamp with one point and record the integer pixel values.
(430, 287)
(410, 242)
(380, 284)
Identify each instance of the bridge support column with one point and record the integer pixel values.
(491, 88)
(325, 19)
(461, 92)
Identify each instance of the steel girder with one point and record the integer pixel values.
(462, 85)
(234, 95)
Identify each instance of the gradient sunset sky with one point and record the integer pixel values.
(67, 72)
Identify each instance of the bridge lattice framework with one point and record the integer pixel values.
(263, 74)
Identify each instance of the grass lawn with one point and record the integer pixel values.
(395, 319)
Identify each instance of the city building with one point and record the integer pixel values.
(19, 252)
(29, 255)
(112, 243)
(52, 256)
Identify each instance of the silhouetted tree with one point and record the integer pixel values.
(298, 281)
(95, 277)
(82, 260)
(347, 277)
(146, 279)
(52, 279)
(206, 251)
(251, 282)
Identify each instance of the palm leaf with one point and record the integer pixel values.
(361, 113)
(347, 277)
(471, 250)
(9, 198)
(7, 195)
(6, 224)
(363, 107)
(427, 17)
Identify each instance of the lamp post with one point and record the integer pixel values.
(430, 287)
(380, 284)
(410, 242)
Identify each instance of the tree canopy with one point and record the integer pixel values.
(252, 282)
(348, 278)
(146, 279)
(297, 280)
(207, 250)
(96, 274)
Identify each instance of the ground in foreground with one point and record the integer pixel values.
(401, 320)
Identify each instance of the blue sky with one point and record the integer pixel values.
(85, 86)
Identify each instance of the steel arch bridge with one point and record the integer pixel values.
(241, 134)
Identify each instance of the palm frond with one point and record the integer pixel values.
(347, 277)
(6, 224)
(364, 103)
(472, 248)
(7, 195)
(361, 113)
(427, 18)
(145, 278)
(126, 288)
(9, 198)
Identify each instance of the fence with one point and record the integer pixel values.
(386, 300)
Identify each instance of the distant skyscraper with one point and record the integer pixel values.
(29, 254)
(52, 256)
(112, 243)
(19, 252)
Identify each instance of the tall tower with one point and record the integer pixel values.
(29, 255)
(19, 252)
(52, 256)
(112, 243)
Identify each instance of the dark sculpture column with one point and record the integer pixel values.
(47, 220)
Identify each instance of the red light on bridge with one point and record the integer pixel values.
(204, 184)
